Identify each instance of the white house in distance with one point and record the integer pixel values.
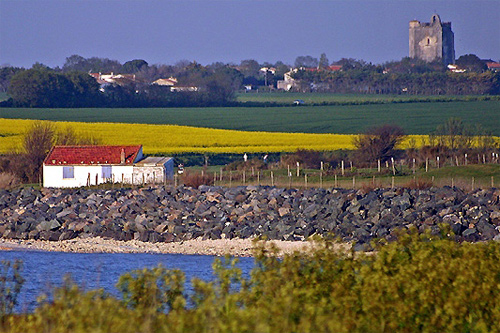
(77, 166)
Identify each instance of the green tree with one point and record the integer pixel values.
(222, 85)
(323, 61)
(41, 88)
(134, 66)
(306, 61)
(45, 88)
(6, 74)
(85, 90)
(93, 64)
(249, 68)
(472, 63)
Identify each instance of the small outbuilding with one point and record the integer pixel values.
(77, 166)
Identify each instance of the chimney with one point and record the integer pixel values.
(122, 156)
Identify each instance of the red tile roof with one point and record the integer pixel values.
(89, 155)
(335, 68)
(492, 65)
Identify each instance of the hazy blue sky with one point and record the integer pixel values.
(166, 31)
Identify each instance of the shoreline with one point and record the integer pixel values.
(235, 247)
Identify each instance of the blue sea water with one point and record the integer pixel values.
(45, 270)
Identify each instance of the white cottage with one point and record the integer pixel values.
(76, 166)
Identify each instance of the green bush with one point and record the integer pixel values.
(11, 282)
(419, 283)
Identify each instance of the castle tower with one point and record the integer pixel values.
(432, 41)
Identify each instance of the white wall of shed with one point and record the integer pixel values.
(53, 175)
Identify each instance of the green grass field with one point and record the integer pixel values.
(415, 118)
(310, 98)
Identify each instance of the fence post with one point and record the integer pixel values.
(215, 177)
(413, 165)
(258, 177)
(305, 180)
(492, 181)
(452, 182)
(342, 164)
(298, 169)
(437, 160)
(353, 182)
(175, 180)
(230, 178)
(321, 179)
(244, 177)
(335, 181)
(392, 182)
(465, 159)
(426, 164)
(393, 167)
(272, 178)
(378, 165)
(221, 174)
(472, 183)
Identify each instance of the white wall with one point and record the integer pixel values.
(53, 175)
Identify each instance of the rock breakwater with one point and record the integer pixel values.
(169, 214)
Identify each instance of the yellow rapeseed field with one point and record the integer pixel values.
(181, 139)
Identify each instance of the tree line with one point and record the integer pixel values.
(45, 87)
(368, 81)
(217, 83)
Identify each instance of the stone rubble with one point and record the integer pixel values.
(175, 214)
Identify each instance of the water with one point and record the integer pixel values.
(45, 270)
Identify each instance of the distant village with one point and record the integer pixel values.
(428, 70)
(288, 83)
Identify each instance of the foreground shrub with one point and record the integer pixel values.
(420, 283)
(418, 184)
(11, 282)
(195, 179)
(8, 180)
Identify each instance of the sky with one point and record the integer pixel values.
(207, 31)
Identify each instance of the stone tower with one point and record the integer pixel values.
(432, 41)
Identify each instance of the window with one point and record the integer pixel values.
(68, 172)
(106, 172)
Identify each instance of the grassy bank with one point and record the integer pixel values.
(465, 177)
(415, 118)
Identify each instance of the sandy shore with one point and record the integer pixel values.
(220, 247)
